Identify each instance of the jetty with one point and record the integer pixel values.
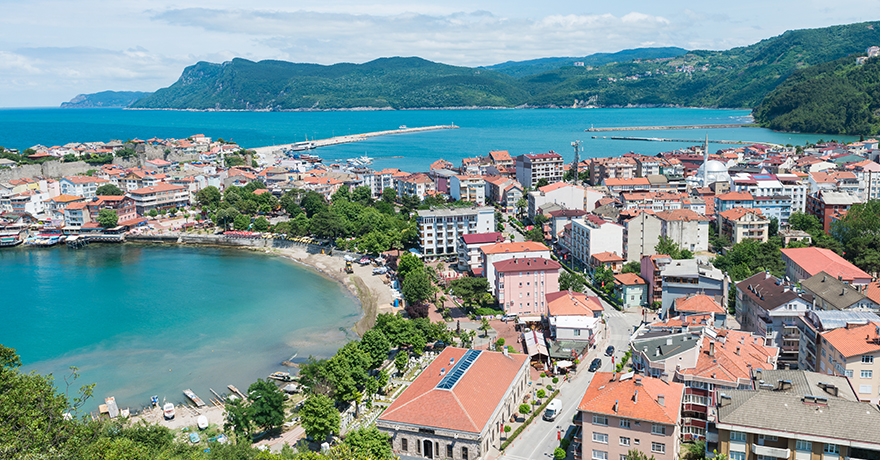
(661, 128)
(695, 141)
(353, 138)
(235, 390)
(194, 398)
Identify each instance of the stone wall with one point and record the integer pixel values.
(57, 169)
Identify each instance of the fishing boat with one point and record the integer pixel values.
(168, 409)
(281, 376)
(202, 421)
(192, 396)
(10, 238)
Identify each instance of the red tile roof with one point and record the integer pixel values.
(686, 215)
(737, 213)
(478, 238)
(556, 186)
(734, 355)
(527, 263)
(698, 304)
(606, 391)
(629, 279)
(85, 179)
(500, 155)
(470, 404)
(526, 246)
(735, 196)
(568, 303)
(854, 341)
(160, 187)
(815, 260)
(608, 257)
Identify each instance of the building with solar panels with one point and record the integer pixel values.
(457, 407)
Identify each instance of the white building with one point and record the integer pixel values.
(566, 195)
(440, 229)
(468, 188)
(534, 167)
(592, 235)
(84, 186)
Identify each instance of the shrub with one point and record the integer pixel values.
(542, 393)
(485, 311)
(507, 428)
(500, 342)
(549, 387)
(564, 443)
(543, 374)
(555, 379)
(524, 409)
(417, 310)
(559, 454)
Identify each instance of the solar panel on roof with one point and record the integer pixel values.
(457, 371)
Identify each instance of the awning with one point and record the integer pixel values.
(529, 319)
(563, 364)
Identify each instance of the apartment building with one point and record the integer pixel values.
(468, 188)
(850, 351)
(522, 284)
(592, 235)
(84, 186)
(620, 412)
(533, 167)
(495, 253)
(160, 196)
(814, 322)
(803, 263)
(417, 185)
(567, 196)
(440, 229)
(469, 254)
(740, 224)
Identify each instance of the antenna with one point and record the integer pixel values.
(577, 148)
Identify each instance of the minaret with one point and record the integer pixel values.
(706, 162)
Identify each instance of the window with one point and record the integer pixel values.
(600, 420)
(865, 389)
(867, 374)
(404, 445)
(766, 457)
(624, 441)
(658, 447)
(464, 453)
(762, 438)
(624, 423)
(623, 457)
(737, 436)
(867, 359)
(848, 372)
(601, 438)
(737, 455)
(449, 450)
(600, 455)
(577, 332)
(658, 429)
(832, 449)
(803, 446)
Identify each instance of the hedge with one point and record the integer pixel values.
(528, 421)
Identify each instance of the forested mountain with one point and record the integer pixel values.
(736, 78)
(835, 97)
(520, 69)
(104, 99)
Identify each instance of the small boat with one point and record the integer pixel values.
(192, 396)
(202, 421)
(282, 376)
(194, 438)
(154, 401)
(401, 127)
(168, 409)
(112, 408)
(222, 439)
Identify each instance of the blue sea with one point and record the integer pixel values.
(518, 131)
(142, 320)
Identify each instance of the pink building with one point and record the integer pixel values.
(521, 285)
(620, 412)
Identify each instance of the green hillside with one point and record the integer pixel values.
(835, 97)
(521, 69)
(103, 99)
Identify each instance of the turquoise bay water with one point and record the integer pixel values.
(142, 320)
(517, 131)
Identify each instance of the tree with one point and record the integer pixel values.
(370, 441)
(542, 182)
(469, 289)
(570, 282)
(401, 361)
(266, 409)
(109, 189)
(153, 213)
(635, 454)
(241, 222)
(672, 249)
(559, 453)
(313, 202)
(261, 224)
(107, 218)
(535, 234)
(632, 267)
(857, 232)
(417, 287)
(326, 223)
(773, 228)
(208, 197)
(237, 419)
(408, 263)
(319, 417)
(521, 205)
(524, 409)
(383, 379)
(389, 195)
(694, 451)
(376, 345)
(484, 326)
(603, 278)
(805, 222)
(541, 393)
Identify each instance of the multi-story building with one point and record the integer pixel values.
(494, 253)
(681, 278)
(566, 195)
(740, 224)
(469, 254)
(533, 167)
(522, 284)
(123, 206)
(76, 214)
(440, 229)
(828, 205)
(850, 351)
(803, 263)
(868, 175)
(574, 316)
(417, 185)
(771, 308)
(592, 235)
(631, 290)
(815, 322)
(84, 186)
(660, 353)
(501, 158)
(688, 229)
(380, 180)
(641, 234)
(55, 206)
(503, 191)
(29, 201)
(811, 417)
(450, 412)
(611, 168)
(830, 293)
(620, 412)
(160, 196)
(652, 267)
(468, 188)
(789, 185)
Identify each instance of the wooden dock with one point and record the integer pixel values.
(661, 128)
(235, 390)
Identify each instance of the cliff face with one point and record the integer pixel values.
(104, 99)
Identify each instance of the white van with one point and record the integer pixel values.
(552, 410)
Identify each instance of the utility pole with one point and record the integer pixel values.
(577, 149)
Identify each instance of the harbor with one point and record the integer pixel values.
(664, 128)
(349, 138)
(696, 141)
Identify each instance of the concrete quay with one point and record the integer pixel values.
(352, 138)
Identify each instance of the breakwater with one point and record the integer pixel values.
(663, 128)
(354, 137)
(696, 141)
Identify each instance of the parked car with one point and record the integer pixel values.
(595, 365)
(380, 270)
(552, 410)
(507, 318)
(610, 350)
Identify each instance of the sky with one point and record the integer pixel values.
(52, 50)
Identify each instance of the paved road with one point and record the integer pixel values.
(540, 439)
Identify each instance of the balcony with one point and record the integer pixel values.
(790, 348)
(691, 421)
(771, 451)
(693, 407)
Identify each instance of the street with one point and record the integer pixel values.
(540, 438)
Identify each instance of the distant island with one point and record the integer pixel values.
(646, 77)
(104, 99)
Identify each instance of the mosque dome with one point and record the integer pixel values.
(713, 171)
